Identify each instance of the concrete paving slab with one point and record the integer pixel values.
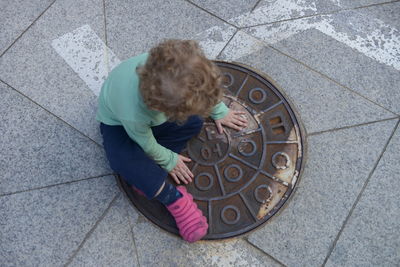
(135, 27)
(33, 67)
(44, 227)
(355, 48)
(157, 247)
(40, 150)
(111, 243)
(388, 13)
(358, 3)
(15, 18)
(371, 236)
(226, 9)
(322, 104)
(269, 11)
(338, 164)
(214, 39)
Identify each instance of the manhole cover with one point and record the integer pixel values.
(241, 178)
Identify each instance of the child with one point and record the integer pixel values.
(149, 107)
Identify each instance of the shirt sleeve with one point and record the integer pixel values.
(219, 111)
(143, 136)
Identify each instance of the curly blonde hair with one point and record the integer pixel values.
(179, 80)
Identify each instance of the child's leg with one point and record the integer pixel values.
(129, 160)
(175, 137)
(189, 218)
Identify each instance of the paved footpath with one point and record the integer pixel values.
(338, 61)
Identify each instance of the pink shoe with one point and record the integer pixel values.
(191, 223)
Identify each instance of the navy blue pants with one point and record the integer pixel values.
(128, 159)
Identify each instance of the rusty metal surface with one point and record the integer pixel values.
(241, 178)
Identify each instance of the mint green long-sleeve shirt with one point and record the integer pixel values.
(120, 103)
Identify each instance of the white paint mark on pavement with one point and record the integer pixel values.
(370, 36)
(275, 11)
(87, 55)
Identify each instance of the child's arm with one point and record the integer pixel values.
(143, 136)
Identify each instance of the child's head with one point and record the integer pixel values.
(179, 80)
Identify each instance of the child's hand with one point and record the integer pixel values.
(181, 172)
(232, 120)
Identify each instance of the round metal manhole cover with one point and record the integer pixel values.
(241, 178)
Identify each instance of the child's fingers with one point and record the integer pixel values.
(185, 159)
(187, 173)
(185, 177)
(219, 127)
(239, 112)
(234, 126)
(183, 174)
(240, 123)
(175, 178)
(188, 179)
(190, 174)
(241, 119)
(181, 177)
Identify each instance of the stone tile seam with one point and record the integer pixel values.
(106, 54)
(319, 14)
(131, 229)
(265, 253)
(90, 232)
(34, 21)
(327, 77)
(129, 203)
(351, 126)
(212, 14)
(333, 245)
(53, 185)
(49, 112)
(105, 23)
(255, 6)
(227, 43)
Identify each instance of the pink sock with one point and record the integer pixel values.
(191, 223)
